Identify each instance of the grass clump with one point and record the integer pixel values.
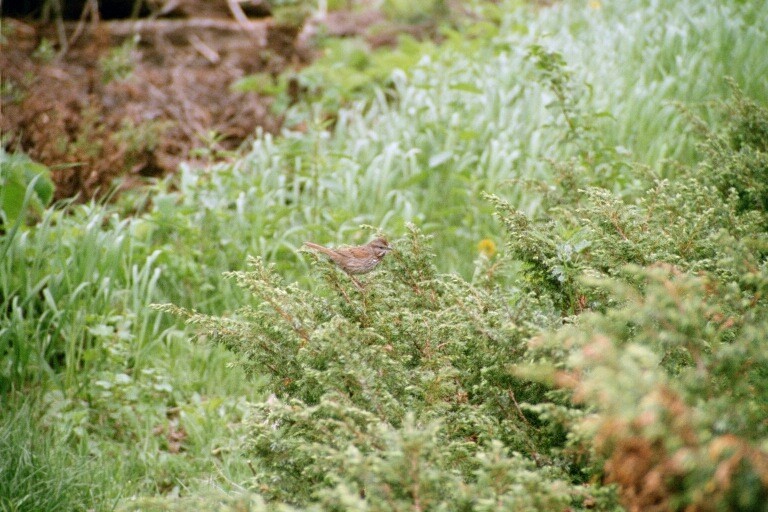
(37, 472)
(64, 284)
(117, 389)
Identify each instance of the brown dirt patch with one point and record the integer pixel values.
(74, 110)
(64, 113)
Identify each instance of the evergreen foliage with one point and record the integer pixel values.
(399, 395)
(630, 352)
(670, 357)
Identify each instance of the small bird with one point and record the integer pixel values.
(359, 259)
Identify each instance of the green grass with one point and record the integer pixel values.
(37, 472)
(76, 276)
(114, 381)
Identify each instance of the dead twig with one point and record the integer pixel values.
(60, 30)
(91, 8)
(237, 12)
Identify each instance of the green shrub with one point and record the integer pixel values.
(399, 395)
(676, 378)
(668, 350)
(738, 158)
(396, 395)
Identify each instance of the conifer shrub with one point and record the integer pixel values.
(615, 354)
(737, 160)
(396, 396)
(667, 353)
(676, 376)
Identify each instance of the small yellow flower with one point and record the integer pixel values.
(487, 247)
(595, 4)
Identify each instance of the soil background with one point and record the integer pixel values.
(66, 103)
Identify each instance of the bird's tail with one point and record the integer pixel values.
(319, 248)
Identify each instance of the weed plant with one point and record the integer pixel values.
(20, 176)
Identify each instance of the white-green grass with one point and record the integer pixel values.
(641, 55)
(476, 115)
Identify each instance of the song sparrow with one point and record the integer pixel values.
(360, 259)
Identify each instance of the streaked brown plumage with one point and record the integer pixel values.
(360, 259)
